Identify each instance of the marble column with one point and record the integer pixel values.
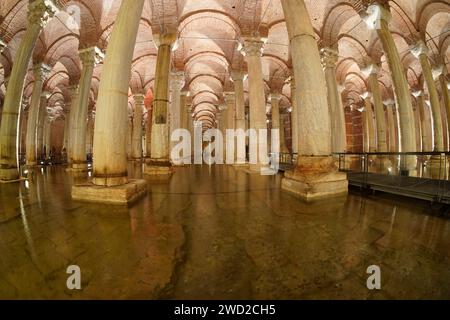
(378, 17)
(338, 138)
(47, 137)
(283, 145)
(71, 113)
(110, 177)
(40, 72)
(369, 121)
(78, 156)
(39, 13)
(445, 96)
(258, 120)
(230, 122)
(177, 83)
(421, 52)
(184, 110)
(425, 122)
(42, 118)
(371, 72)
(238, 80)
(315, 174)
(392, 123)
(275, 99)
(159, 162)
(90, 134)
(136, 148)
(294, 116)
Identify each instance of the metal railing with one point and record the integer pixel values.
(424, 175)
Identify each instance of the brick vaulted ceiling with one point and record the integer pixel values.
(209, 33)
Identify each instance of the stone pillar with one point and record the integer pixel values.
(78, 156)
(129, 140)
(184, 110)
(446, 96)
(372, 73)
(275, 99)
(42, 118)
(159, 162)
(315, 174)
(238, 80)
(136, 149)
(177, 83)
(392, 123)
(369, 121)
(294, 117)
(71, 113)
(258, 120)
(338, 137)
(40, 72)
(90, 134)
(110, 161)
(47, 137)
(378, 17)
(111, 184)
(425, 122)
(421, 52)
(230, 123)
(39, 12)
(283, 146)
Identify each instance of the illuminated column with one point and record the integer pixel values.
(110, 161)
(372, 73)
(230, 120)
(283, 146)
(184, 110)
(39, 13)
(90, 134)
(177, 83)
(425, 122)
(294, 117)
(40, 72)
(338, 137)
(78, 156)
(73, 92)
(378, 17)
(238, 80)
(42, 118)
(159, 162)
(392, 124)
(47, 136)
(275, 99)
(315, 174)
(369, 121)
(421, 51)
(136, 149)
(253, 51)
(439, 73)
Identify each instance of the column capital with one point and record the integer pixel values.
(291, 81)
(370, 69)
(376, 13)
(329, 57)
(389, 103)
(419, 49)
(91, 56)
(41, 71)
(2, 45)
(185, 93)
(41, 11)
(139, 99)
(417, 94)
(230, 97)
(45, 95)
(438, 70)
(275, 97)
(237, 75)
(167, 39)
(366, 95)
(252, 47)
(178, 80)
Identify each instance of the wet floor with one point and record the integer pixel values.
(217, 233)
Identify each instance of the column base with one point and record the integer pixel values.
(315, 178)
(158, 168)
(78, 168)
(9, 175)
(120, 195)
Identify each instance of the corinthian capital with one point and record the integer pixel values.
(419, 49)
(139, 99)
(178, 80)
(329, 57)
(91, 56)
(2, 45)
(41, 11)
(252, 47)
(375, 14)
(41, 71)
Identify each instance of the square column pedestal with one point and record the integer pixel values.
(120, 195)
(315, 178)
(158, 169)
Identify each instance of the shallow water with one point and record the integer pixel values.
(217, 233)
